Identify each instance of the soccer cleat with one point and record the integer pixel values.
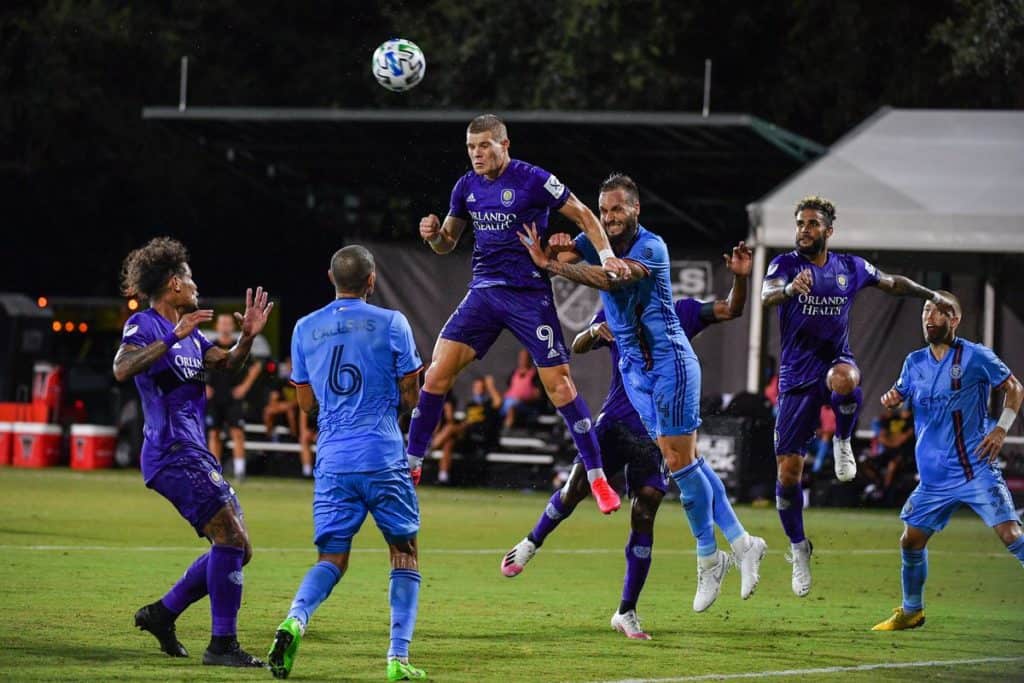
(607, 500)
(846, 464)
(281, 657)
(900, 621)
(709, 581)
(149, 619)
(629, 624)
(515, 560)
(749, 562)
(404, 671)
(235, 656)
(800, 558)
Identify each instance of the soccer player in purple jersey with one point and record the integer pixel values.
(814, 290)
(947, 384)
(660, 372)
(167, 355)
(626, 445)
(498, 196)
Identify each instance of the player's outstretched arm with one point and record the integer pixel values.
(131, 360)
(252, 322)
(993, 442)
(588, 338)
(777, 291)
(899, 285)
(739, 262)
(592, 276)
(441, 238)
(584, 218)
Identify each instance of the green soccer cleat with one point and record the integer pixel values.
(901, 620)
(281, 657)
(397, 671)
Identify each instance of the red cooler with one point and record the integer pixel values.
(36, 444)
(6, 442)
(92, 446)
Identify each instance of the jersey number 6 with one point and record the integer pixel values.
(344, 378)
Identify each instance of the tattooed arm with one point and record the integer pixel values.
(131, 360)
(592, 276)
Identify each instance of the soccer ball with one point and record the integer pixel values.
(398, 65)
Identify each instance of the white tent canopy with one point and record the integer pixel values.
(912, 179)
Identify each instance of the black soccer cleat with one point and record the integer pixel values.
(153, 618)
(235, 656)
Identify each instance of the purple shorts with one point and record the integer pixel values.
(800, 414)
(630, 449)
(528, 313)
(193, 481)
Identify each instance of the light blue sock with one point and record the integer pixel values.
(696, 496)
(1017, 549)
(722, 511)
(915, 572)
(314, 589)
(404, 596)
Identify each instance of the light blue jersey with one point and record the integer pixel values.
(352, 355)
(950, 402)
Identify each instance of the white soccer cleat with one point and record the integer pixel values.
(749, 562)
(800, 558)
(846, 464)
(629, 624)
(515, 560)
(709, 581)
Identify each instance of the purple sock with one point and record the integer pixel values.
(190, 588)
(581, 427)
(424, 421)
(846, 408)
(638, 563)
(790, 504)
(552, 516)
(224, 581)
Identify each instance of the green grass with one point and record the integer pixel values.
(79, 553)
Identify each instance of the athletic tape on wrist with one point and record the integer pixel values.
(1006, 419)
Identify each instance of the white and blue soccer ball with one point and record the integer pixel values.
(398, 64)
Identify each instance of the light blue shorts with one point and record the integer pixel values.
(341, 502)
(930, 510)
(667, 397)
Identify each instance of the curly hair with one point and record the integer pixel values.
(817, 203)
(146, 270)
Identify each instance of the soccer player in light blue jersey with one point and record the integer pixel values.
(660, 371)
(355, 366)
(507, 291)
(947, 384)
(814, 289)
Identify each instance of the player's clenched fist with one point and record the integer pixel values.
(560, 242)
(801, 284)
(891, 398)
(430, 228)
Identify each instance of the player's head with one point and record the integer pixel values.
(487, 145)
(479, 388)
(939, 327)
(814, 218)
(353, 271)
(619, 203)
(224, 325)
(159, 272)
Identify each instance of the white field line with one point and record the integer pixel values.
(825, 670)
(455, 551)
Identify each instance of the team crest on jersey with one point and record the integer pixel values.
(216, 477)
(507, 197)
(842, 281)
(956, 372)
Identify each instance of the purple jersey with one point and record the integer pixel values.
(617, 407)
(815, 327)
(498, 209)
(172, 389)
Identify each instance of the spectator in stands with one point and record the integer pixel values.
(523, 388)
(281, 400)
(892, 450)
(478, 433)
(444, 436)
(225, 394)
(822, 447)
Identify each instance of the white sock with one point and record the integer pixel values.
(741, 544)
(307, 470)
(442, 476)
(239, 467)
(595, 474)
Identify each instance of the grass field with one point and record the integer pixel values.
(81, 552)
